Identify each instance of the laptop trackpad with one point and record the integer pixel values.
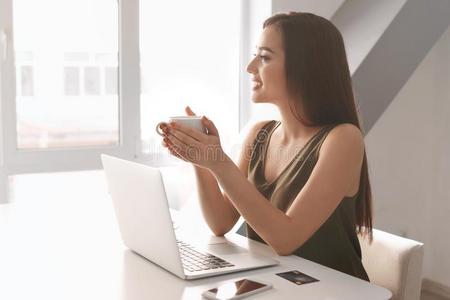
(226, 249)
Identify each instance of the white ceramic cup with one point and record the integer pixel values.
(194, 122)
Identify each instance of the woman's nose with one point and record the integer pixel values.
(251, 66)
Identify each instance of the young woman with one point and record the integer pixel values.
(301, 183)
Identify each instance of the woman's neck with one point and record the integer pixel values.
(291, 129)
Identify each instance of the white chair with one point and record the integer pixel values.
(395, 263)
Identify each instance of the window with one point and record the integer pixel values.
(71, 81)
(110, 80)
(91, 80)
(24, 74)
(26, 82)
(189, 56)
(67, 68)
(62, 101)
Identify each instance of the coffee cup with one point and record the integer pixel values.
(194, 122)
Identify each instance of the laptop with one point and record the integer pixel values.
(146, 226)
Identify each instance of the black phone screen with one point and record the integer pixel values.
(232, 289)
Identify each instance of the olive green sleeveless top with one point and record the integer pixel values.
(335, 244)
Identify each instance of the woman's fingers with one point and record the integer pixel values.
(185, 138)
(173, 150)
(189, 111)
(212, 130)
(174, 147)
(193, 133)
(187, 150)
(178, 145)
(174, 153)
(164, 144)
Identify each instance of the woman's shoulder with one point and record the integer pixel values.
(344, 136)
(258, 126)
(346, 131)
(254, 128)
(248, 136)
(251, 131)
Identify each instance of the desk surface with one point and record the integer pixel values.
(72, 250)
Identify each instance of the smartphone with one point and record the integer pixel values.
(236, 290)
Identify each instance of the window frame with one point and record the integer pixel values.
(15, 161)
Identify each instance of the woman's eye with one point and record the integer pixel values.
(262, 57)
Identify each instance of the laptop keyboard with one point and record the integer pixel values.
(195, 260)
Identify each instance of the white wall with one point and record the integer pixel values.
(324, 8)
(3, 178)
(362, 23)
(409, 160)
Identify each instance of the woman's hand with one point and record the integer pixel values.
(203, 150)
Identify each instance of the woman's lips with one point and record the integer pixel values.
(256, 84)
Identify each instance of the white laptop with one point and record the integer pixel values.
(146, 226)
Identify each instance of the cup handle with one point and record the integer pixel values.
(158, 128)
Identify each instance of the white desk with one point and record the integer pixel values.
(72, 250)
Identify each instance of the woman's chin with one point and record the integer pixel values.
(258, 99)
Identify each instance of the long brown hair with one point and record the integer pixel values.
(317, 71)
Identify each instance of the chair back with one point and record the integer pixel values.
(395, 263)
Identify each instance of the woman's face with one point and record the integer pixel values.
(267, 68)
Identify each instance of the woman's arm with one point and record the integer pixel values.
(333, 177)
(217, 209)
(337, 169)
(219, 213)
